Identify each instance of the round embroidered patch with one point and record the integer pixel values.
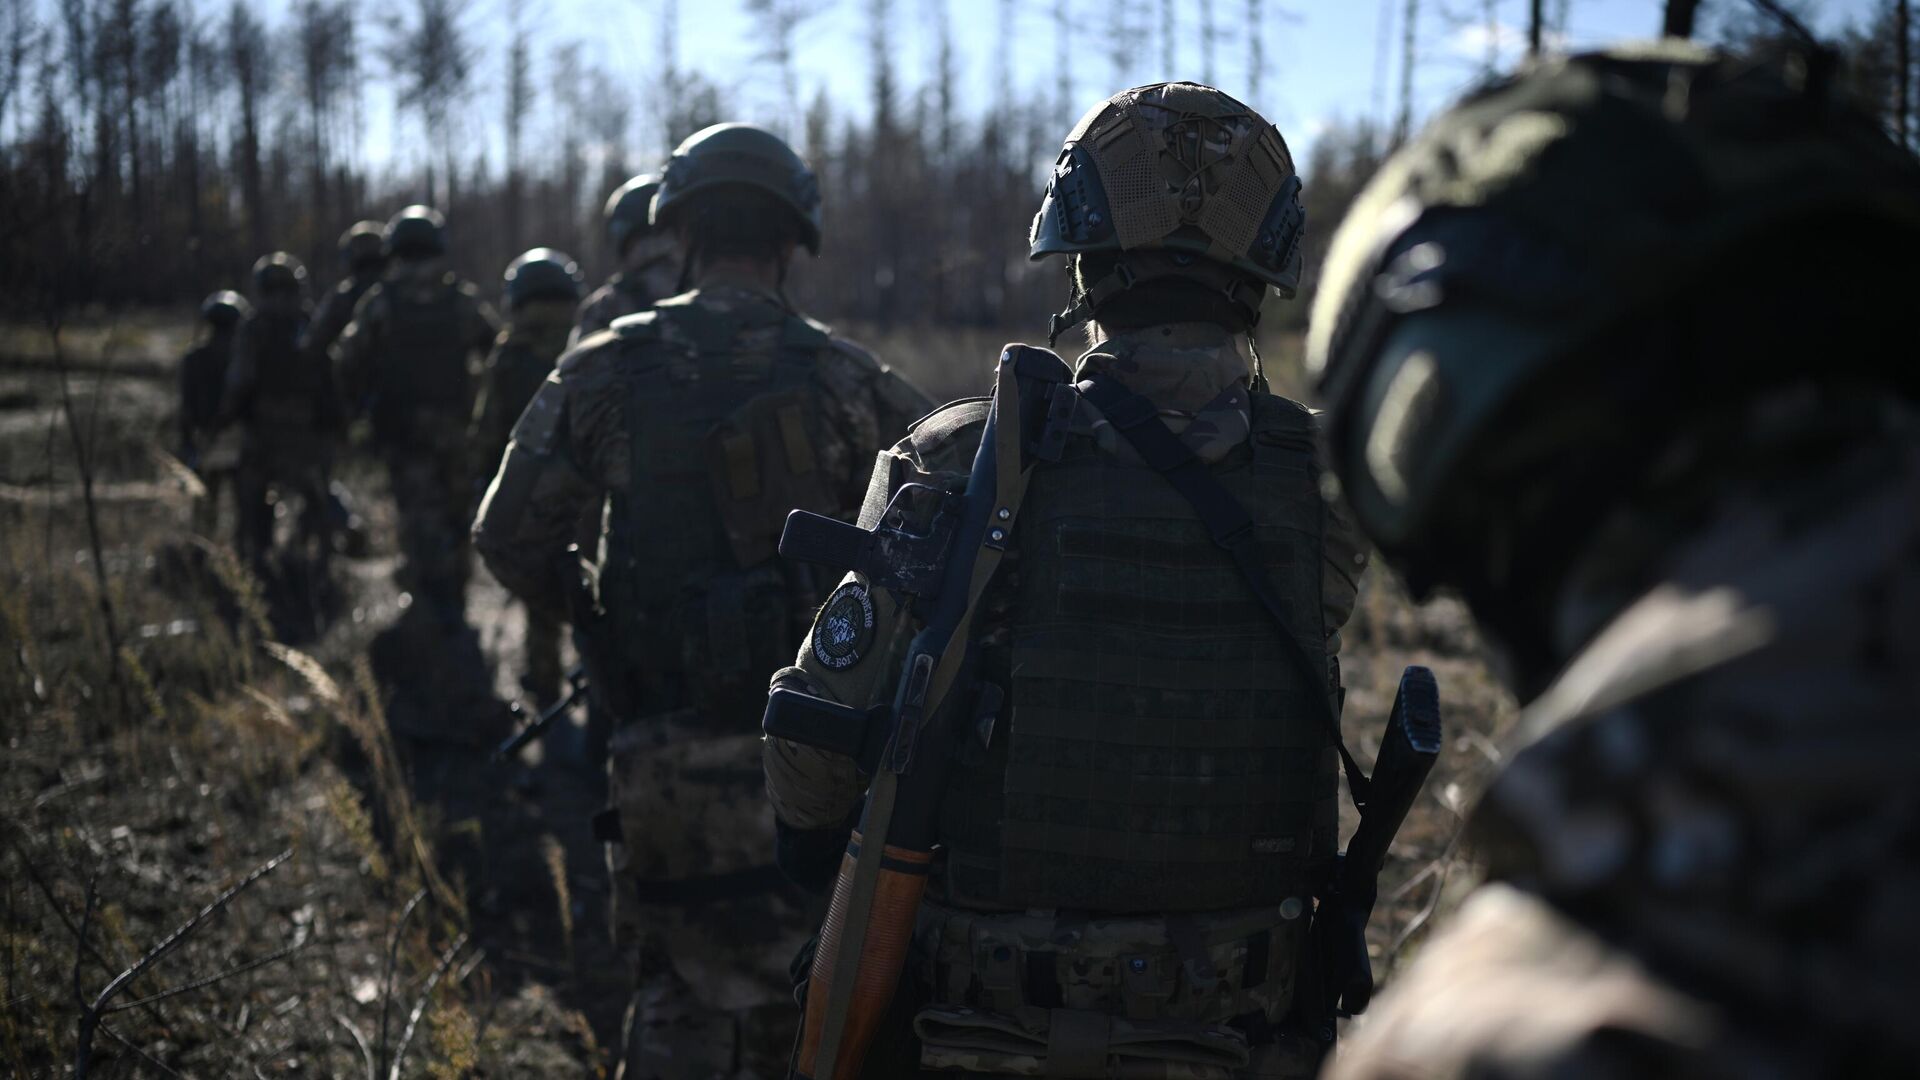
(845, 627)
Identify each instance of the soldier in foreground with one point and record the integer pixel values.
(1572, 374)
(542, 289)
(363, 256)
(649, 266)
(1142, 739)
(209, 451)
(284, 399)
(703, 421)
(409, 359)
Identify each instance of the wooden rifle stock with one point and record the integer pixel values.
(884, 943)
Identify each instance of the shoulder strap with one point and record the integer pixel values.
(1227, 522)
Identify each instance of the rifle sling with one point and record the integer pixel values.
(1227, 522)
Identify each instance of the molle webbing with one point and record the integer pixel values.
(426, 361)
(1164, 754)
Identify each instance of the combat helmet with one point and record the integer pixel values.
(418, 232)
(278, 272)
(542, 274)
(1177, 179)
(628, 211)
(362, 247)
(740, 155)
(224, 309)
(1539, 253)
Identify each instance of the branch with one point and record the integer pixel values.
(420, 1004)
(197, 984)
(366, 1052)
(393, 958)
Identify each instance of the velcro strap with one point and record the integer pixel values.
(1077, 1043)
(793, 433)
(688, 892)
(743, 472)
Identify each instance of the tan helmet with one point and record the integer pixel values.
(1181, 169)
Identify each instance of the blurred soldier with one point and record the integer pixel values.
(705, 419)
(1143, 804)
(1607, 351)
(542, 288)
(649, 268)
(283, 397)
(203, 381)
(363, 257)
(408, 358)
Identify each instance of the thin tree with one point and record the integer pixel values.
(1536, 18)
(519, 104)
(1169, 40)
(1409, 58)
(1208, 32)
(247, 64)
(1063, 62)
(1903, 69)
(1256, 49)
(1677, 19)
(431, 61)
(777, 24)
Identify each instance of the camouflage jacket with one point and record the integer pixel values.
(276, 388)
(1708, 842)
(203, 381)
(572, 446)
(369, 365)
(522, 357)
(625, 293)
(1198, 378)
(330, 319)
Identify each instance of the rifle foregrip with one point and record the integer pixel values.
(884, 945)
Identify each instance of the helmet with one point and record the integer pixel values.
(628, 209)
(1178, 168)
(224, 309)
(278, 272)
(416, 233)
(543, 273)
(361, 246)
(727, 155)
(1482, 282)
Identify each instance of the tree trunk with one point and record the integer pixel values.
(1678, 20)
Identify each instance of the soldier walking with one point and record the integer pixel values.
(542, 288)
(1142, 741)
(363, 256)
(204, 447)
(702, 421)
(649, 266)
(409, 359)
(1606, 351)
(284, 399)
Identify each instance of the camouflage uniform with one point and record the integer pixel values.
(203, 381)
(625, 293)
(408, 358)
(1142, 805)
(284, 399)
(360, 250)
(1702, 852)
(650, 267)
(696, 904)
(522, 357)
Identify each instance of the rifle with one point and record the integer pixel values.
(876, 898)
(576, 689)
(1407, 754)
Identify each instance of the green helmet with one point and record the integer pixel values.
(1178, 169)
(418, 232)
(628, 210)
(542, 274)
(1474, 304)
(278, 272)
(224, 309)
(362, 246)
(740, 155)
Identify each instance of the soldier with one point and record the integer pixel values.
(649, 270)
(1573, 373)
(542, 288)
(363, 257)
(1142, 799)
(203, 381)
(703, 420)
(409, 358)
(283, 397)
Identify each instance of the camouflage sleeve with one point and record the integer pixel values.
(595, 315)
(492, 420)
(1345, 555)
(354, 350)
(870, 405)
(527, 517)
(243, 374)
(854, 651)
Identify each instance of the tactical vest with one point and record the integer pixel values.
(724, 420)
(293, 389)
(424, 368)
(1156, 751)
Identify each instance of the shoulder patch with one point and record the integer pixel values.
(950, 431)
(843, 631)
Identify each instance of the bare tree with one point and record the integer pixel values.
(1064, 105)
(1410, 22)
(1536, 18)
(247, 62)
(1903, 69)
(519, 106)
(431, 61)
(323, 44)
(1677, 20)
(1256, 49)
(777, 23)
(1208, 32)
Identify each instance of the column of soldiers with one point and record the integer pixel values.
(1577, 344)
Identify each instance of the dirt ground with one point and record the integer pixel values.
(174, 724)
